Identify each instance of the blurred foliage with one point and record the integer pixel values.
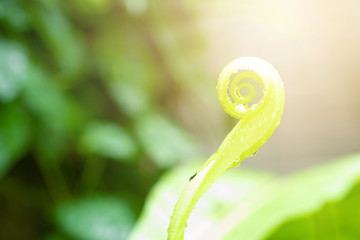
(96, 217)
(14, 136)
(87, 123)
(88, 97)
(109, 140)
(318, 203)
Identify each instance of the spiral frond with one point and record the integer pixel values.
(249, 89)
(242, 74)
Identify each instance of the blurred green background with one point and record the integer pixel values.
(108, 106)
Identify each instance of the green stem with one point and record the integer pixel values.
(258, 122)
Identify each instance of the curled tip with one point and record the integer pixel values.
(239, 83)
(238, 91)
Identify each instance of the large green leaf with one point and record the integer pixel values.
(232, 187)
(319, 203)
(95, 218)
(306, 203)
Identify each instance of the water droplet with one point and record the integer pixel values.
(237, 164)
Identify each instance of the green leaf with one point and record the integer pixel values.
(164, 142)
(90, 8)
(49, 107)
(14, 135)
(14, 69)
(314, 200)
(136, 7)
(232, 187)
(13, 15)
(95, 218)
(64, 42)
(109, 140)
(319, 203)
(130, 71)
(132, 99)
(41, 87)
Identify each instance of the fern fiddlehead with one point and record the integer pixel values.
(236, 92)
